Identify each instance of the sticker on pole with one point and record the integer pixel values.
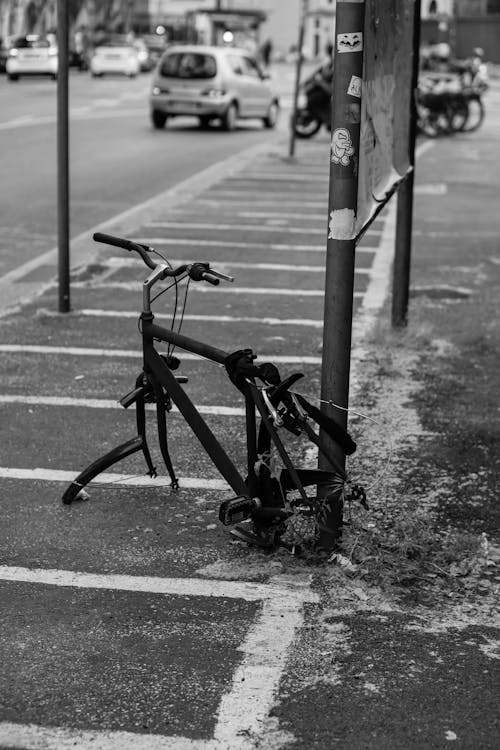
(350, 42)
(354, 88)
(342, 148)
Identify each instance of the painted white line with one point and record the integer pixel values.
(285, 589)
(227, 243)
(129, 353)
(133, 286)
(436, 188)
(121, 262)
(288, 248)
(29, 121)
(104, 403)
(33, 737)
(199, 318)
(122, 480)
(240, 227)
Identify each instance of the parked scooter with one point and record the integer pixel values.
(314, 103)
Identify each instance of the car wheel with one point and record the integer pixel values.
(271, 118)
(158, 119)
(13, 77)
(229, 117)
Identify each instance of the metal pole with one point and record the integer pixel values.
(298, 72)
(63, 156)
(342, 209)
(404, 213)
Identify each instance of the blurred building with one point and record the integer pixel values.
(463, 24)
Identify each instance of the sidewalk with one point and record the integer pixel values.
(396, 645)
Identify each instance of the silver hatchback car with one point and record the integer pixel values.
(211, 83)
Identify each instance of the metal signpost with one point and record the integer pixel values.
(404, 218)
(63, 157)
(342, 209)
(304, 6)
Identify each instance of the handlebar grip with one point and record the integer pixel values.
(211, 279)
(109, 239)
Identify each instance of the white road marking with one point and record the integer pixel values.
(127, 480)
(131, 286)
(287, 248)
(432, 188)
(29, 121)
(33, 737)
(200, 318)
(285, 589)
(240, 227)
(104, 403)
(242, 710)
(131, 262)
(129, 353)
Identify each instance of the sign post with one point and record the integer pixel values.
(298, 71)
(342, 211)
(404, 217)
(63, 157)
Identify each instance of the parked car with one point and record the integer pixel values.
(211, 83)
(114, 57)
(31, 55)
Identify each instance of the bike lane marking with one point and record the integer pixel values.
(243, 709)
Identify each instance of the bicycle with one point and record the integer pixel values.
(266, 500)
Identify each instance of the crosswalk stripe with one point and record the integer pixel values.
(58, 475)
(103, 403)
(129, 353)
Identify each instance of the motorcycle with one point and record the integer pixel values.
(314, 104)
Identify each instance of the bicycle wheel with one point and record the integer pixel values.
(457, 114)
(432, 123)
(476, 113)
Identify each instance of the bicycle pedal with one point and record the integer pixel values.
(242, 535)
(237, 509)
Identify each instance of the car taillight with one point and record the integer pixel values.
(213, 92)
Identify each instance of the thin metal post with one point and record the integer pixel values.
(342, 209)
(63, 157)
(298, 72)
(404, 213)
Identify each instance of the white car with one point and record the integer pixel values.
(115, 57)
(31, 55)
(211, 83)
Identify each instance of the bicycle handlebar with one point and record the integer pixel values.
(197, 271)
(109, 239)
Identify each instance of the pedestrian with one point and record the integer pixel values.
(266, 52)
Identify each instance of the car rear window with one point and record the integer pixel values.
(30, 43)
(188, 65)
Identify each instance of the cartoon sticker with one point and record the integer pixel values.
(355, 87)
(350, 42)
(342, 148)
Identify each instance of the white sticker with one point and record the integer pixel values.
(350, 42)
(355, 87)
(342, 148)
